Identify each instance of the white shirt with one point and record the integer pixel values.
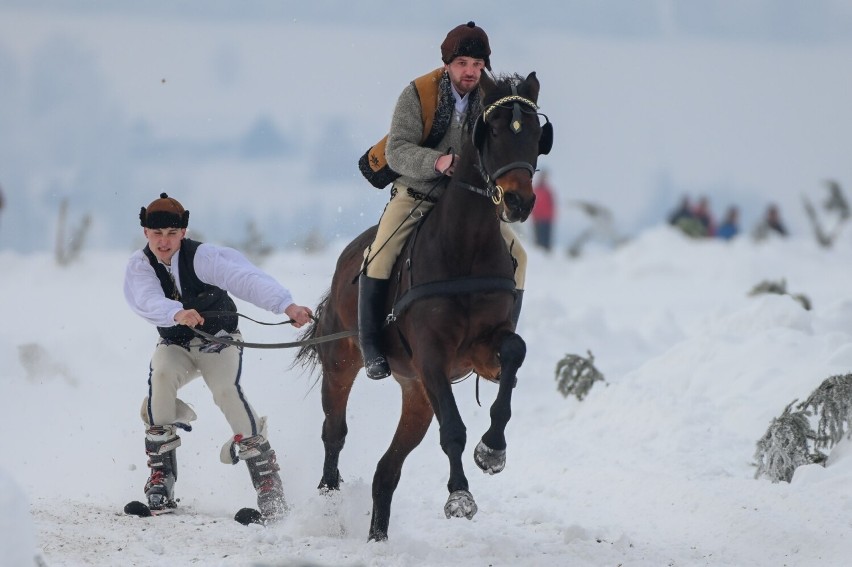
(461, 104)
(223, 267)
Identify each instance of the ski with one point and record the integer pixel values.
(141, 510)
(245, 516)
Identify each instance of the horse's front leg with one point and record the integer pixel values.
(453, 436)
(490, 452)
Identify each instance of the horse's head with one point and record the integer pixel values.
(509, 138)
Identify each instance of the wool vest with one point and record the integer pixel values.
(194, 294)
(373, 164)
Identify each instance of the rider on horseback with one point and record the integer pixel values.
(433, 115)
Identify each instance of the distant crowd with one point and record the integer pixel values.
(696, 220)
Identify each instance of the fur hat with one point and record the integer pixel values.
(164, 212)
(466, 40)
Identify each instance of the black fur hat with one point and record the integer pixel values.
(164, 212)
(466, 40)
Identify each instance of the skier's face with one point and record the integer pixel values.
(164, 242)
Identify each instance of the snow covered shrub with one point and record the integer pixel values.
(832, 401)
(576, 375)
(791, 441)
(784, 446)
(780, 288)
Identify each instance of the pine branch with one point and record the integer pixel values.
(576, 375)
(784, 446)
(832, 401)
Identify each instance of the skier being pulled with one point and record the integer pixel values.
(170, 283)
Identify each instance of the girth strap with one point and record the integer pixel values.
(450, 287)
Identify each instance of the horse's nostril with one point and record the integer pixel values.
(512, 200)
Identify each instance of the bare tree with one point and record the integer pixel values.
(68, 249)
(835, 208)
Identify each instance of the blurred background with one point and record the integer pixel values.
(254, 114)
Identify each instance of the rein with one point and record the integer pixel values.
(243, 344)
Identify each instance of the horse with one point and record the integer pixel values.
(455, 285)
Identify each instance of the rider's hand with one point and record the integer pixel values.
(446, 164)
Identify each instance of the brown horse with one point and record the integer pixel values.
(455, 282)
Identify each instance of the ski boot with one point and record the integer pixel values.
(263, 468)
(160, 445)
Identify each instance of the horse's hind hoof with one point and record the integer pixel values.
(489, 460)
(460, 504)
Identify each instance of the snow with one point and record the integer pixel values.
(654, 467)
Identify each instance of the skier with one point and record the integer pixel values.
(171, 283)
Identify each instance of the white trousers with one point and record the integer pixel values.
(173, 366)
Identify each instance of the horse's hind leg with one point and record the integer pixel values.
(337, 380)
(490, 452)
(414, 421)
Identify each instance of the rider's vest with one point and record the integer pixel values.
(374, 165)
(194, 294)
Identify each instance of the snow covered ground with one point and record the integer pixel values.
(655, 467)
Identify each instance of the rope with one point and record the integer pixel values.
(243, 344)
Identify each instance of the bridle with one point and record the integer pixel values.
(492, 190)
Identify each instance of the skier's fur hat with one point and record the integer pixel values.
(466, 40)
(164, 212)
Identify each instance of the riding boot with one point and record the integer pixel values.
(160, 445)
(516, 309)
(263, 468)
(372, 293)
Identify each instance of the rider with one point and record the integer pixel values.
(167, 283)
(432, 116)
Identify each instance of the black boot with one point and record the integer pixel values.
(263, 468)
(516, 309)
(372, 293)
(160, 445)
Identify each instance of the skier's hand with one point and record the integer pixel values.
(299, 314)
(189, 317)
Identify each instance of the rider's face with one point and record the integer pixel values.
(464, 73)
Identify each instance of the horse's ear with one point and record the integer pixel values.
(486, 83)
(533, 85)
(545, 141)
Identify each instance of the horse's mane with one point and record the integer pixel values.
(504, 82)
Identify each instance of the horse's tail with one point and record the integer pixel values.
(308, 355)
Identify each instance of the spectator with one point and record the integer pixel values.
(773, 220)
(730, 226)
(544, 212)
(704, 216)
(685, 219)
(771, 224)
(683, 212)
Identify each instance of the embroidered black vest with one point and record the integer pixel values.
(194, 294)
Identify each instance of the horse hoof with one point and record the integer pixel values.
(489, 460)
(460, 504)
